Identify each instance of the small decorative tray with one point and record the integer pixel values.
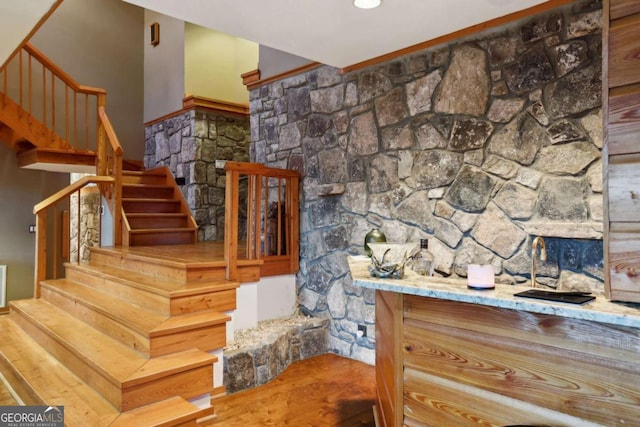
(570, 297)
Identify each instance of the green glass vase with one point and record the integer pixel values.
(374, 236)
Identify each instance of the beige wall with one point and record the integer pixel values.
(20, 190)
(274, 62)
(100, 43)
(214, 62)
(163, 67)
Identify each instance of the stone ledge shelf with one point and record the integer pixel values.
(257, 355)
(598, 310)
(567, 230)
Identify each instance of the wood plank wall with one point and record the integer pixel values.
(621, 152)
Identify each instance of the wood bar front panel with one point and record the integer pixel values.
(388, 358)
(470, 365)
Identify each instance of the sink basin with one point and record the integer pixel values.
(570, 297)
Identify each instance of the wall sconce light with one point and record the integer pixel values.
(367, 4)
(155, 34)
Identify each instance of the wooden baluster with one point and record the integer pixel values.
(44, 94)
(293, 225)
(53, 101)
(79, 221)
(20, 84)
(251, 217)
(86, 121)
(30, 74)
(278, 220)
(41, 252)
(55, 241)
(231, 225)
(75, 119)
(66, 112)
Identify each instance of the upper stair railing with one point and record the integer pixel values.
(76, 113)
(53, 98)
(261, 218)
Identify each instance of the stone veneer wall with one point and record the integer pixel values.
(189, 144)
(477, 145)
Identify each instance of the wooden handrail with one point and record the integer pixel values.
(68, 80)
(41, 210)
(272, 223)
(68, 190)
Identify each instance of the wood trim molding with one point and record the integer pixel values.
(302, 69)
(191, 102)
(465, 32)
(250, 77)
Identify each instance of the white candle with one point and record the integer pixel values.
(480, 276)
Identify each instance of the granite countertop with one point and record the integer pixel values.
(599, 310)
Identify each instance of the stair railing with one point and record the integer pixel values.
(52, 97)
(55, 208)
(76, 113)
(261, 218)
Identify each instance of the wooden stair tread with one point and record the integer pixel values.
(114, 360)
(156, 256)
(137, 318)
(169, 364)
(106, 355)
(164, 287)
(50, 382)
(169, 412)
(162, 230)
(142, 320)
(149, 200)
(188, 321)
(155, 214)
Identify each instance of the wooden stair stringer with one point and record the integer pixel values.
(25, 127)
(123, 376)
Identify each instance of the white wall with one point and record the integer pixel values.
(274, 62)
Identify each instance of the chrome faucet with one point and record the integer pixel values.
(543, 257)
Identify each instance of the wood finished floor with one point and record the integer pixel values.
(327, 390)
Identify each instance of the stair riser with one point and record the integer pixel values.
(187, 382)
(121, 290)
(177, 273)
(104, 324)
(162, 238)
(187, 385)
(222, 301)
(18, 383)
(158, 222)
(92, 375)
(149, 179)
(147, 192)
(206, 339)
(153, 206)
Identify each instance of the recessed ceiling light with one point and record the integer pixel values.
(366, 4)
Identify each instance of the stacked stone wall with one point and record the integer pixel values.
(189, 144)
(479, 146)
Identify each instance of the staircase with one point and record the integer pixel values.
(154, 210)
(123, 340)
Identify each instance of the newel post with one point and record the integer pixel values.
(231, 224)
(41, 252)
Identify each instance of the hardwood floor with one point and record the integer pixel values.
(327, 390)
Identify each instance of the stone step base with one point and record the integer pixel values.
(258, 355)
